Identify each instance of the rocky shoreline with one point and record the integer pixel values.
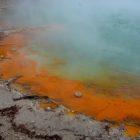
(24, 119)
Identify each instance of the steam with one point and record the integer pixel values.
(74, 11)
(96, 32)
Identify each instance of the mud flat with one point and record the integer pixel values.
(24, 119)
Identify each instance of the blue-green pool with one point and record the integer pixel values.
(92, 39)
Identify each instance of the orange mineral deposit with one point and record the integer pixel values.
(41, 82)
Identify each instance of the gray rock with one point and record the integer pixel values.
(55, 122)
(78, 94)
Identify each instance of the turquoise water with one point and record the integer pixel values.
(87, 37)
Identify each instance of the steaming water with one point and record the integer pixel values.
(90, 37)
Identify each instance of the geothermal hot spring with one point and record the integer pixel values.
(86, 46)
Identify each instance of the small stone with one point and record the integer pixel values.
(16, 135)
(72, 111)
(33, 122)
(1, 56)
(48, 108)
(78, 94)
